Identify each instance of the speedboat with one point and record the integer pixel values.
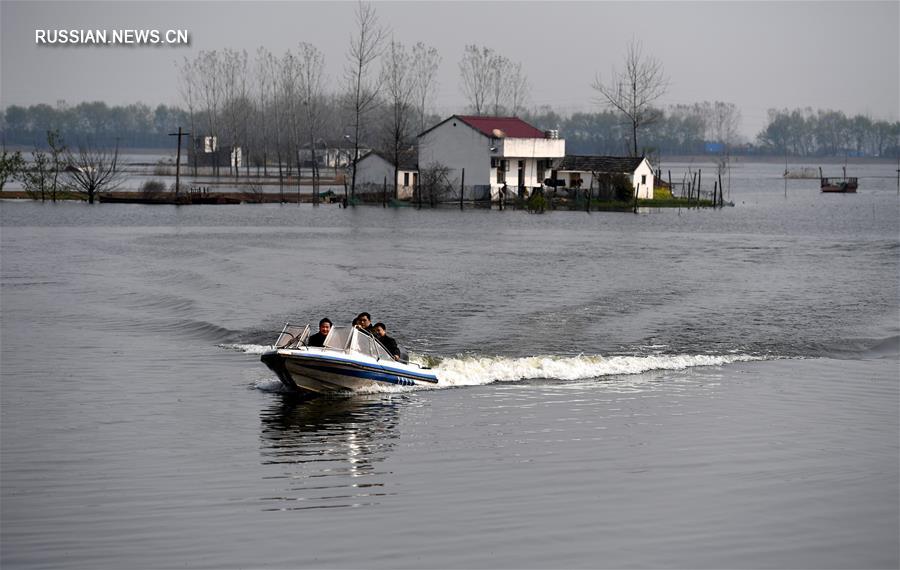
(351, 360)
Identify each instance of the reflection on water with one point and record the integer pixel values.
(325, 452)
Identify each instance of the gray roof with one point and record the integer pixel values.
(593, 163)
(408, 158)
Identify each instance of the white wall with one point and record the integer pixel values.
(642, 179)
(373, 170)
(533, 178)
(533, 148)
(643, 172)
(456, 145)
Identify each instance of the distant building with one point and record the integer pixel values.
(205, 151)
(375, 167)
(494, 151)
(578, 171)
(330, 153)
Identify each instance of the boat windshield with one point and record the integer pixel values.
(351, 338)
(366, 344)
(339, 337)
(292, 336)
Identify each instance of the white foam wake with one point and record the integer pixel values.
(472, 371)
(479, 370)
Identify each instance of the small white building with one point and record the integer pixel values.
(333, 154)
(494, 151)
(374, 168)
(578, 171)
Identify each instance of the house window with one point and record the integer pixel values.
(495, 162)
(406, 178)
(501, 171)
(643, 179)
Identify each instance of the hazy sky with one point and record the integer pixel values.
(758, 55)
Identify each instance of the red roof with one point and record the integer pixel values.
(510, 127)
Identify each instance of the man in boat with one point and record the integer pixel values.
(363, 321)
(389, 343)
(318, 339)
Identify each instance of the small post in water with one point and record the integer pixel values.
(462, 188)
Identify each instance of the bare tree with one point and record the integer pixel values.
(500, 84)
(93, 171)
(209, 86)
(634, 90)
(42, 177)
(57, 149)
(310, 86)
(233, 74)
(519, 89)
(477, 76)
(723, 120)
(265, 72)
(289, 115)
(36, 176)
(187, 86)
(11, 166)
(493, 81)
(398, 84)
(363, 86)
(425, 62)
(434, 182)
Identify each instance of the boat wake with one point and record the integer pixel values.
(473, 371)
(464, 370)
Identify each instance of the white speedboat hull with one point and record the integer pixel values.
(324, 371)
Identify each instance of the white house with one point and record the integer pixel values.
(494, 151)
(330, 153)
(374, 168)
(577, 171)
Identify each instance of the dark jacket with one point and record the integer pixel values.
(390, 344)
(317, 339)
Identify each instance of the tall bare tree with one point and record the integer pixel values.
(399, 85)
(265, 81)
(310, 86)
(425, 60)
(519, 89)
(187, 87)
(363, 85)
(634, 90)
(492, 82)
(209, 81)
(233, 73)
(289, 114)
(499, 83)
(475, 70)
(723, 122)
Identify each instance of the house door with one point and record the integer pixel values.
(521, 183)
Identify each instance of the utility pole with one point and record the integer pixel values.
(179, 134)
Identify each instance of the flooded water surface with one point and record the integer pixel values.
(678, 388)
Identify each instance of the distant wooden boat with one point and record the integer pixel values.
(845, 185)
(841, 185)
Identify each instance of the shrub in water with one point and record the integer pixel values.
(152, 187)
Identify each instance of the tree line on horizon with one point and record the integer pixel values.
(682, 129)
